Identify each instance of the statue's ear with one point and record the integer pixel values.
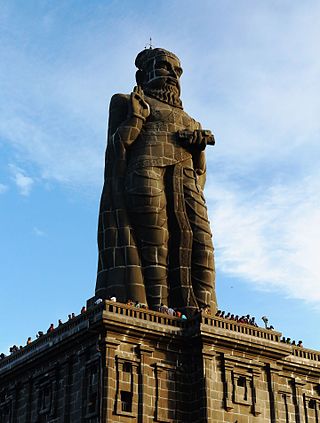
(140, 77)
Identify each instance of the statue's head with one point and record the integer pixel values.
(159, 74)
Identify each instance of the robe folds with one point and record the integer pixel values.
(168, 170)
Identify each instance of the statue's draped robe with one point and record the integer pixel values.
(120, 270)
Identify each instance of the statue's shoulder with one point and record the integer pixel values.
(119, 104)
(118, 100)
(118, 111)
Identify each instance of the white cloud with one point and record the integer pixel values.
(270, 238)
(76, 162)
(258, 93)
(22, 181)
(38, 232)
(3, 188)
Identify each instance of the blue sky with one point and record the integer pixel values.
(251, 75)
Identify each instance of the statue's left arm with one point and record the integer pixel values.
(197, 141)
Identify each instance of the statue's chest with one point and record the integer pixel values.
(162, 114)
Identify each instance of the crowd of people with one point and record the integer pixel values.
(293, 342)
(247, 319)
(240, 319)
(251, 321)
(40, 333)
(161, 309)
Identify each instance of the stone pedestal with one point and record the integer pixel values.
(117, 363)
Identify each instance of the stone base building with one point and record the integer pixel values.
(117, 363)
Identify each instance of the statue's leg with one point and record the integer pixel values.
(146, 202)
(180, 244)
(202, 261)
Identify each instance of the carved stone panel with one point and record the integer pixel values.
(311, 408)
(166, 391)
(45, 395)
(127, 386)
(6, 407)
(241, 383)
(91, 389)
(286, 402)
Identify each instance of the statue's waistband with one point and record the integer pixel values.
(155, 138)
(149, 161)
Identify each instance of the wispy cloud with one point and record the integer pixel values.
(256, 92)
(263, 180)
(75, 162)
(58, 115)
(270, 238)
(22, 181)
(3, 188)
(38, 232)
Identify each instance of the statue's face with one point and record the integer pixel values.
(163, 70)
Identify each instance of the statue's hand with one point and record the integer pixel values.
(198, 138)
(138, 106)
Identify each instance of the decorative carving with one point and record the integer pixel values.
(45, 386)
(240, 388)
(45, 398)
(311, 408)
(127, 386)
(227, 387)
(154, 237)
(240, 384)
(6, 407)
(297, 387)
(91, 386)
(256, 375)
(166, 390)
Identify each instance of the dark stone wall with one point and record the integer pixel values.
(116, 363)
(51, 379)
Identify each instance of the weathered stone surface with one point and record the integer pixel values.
(117, 363)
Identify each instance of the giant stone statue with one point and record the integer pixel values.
(154, 238)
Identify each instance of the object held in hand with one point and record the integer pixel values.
(189, 136)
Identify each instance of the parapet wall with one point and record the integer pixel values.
(117, 363)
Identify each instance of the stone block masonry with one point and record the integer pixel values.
(117, 363)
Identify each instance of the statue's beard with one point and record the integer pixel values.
(167, 93)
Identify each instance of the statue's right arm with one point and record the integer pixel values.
(124, 124)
